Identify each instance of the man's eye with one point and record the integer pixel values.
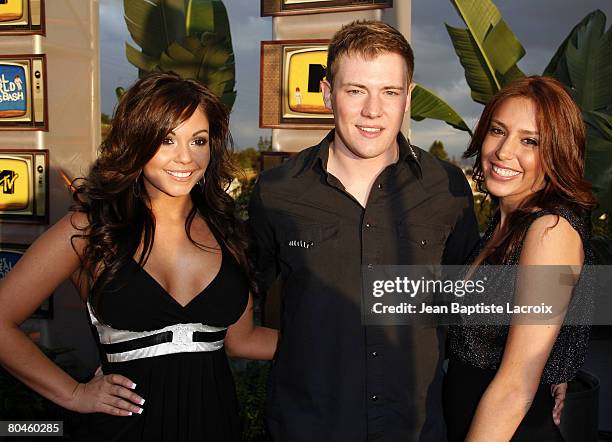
(392, 93)
(353, 92)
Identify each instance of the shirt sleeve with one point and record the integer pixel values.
(464, 236)
(264, 246)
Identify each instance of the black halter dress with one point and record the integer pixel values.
(174, 354)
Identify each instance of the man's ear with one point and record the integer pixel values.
(327, 94)
(409, 100)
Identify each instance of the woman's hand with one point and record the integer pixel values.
(110, 394)
(558, 391)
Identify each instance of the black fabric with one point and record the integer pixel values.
(465, 384)
(332, 378)
(189, 396)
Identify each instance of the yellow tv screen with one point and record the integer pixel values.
(11, 10)
(305, 71)
(14, 184)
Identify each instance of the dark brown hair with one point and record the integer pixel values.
(368, 39)
(561, 150)
(114, 198)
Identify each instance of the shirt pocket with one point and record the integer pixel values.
(421, 244)
(308, 246)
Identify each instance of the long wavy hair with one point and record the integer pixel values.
(561, 151)
(114, 198)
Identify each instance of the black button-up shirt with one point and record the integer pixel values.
(334, 379)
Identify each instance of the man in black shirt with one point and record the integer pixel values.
(364, 196)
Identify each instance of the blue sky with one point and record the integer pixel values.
(540, 25)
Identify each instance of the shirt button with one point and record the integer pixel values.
(423, 243)
(374, 354)
(374, 398)
(368, 225)
(370, 267)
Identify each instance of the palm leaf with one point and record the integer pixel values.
(213, 65)
(488, 49)
(599, 158)
(582, 63)
(155, 24)
(425, 104)
(189, 37)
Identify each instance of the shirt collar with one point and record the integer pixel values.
(407, 155)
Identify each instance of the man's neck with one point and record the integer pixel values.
(357, 174)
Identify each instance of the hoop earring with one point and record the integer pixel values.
(136, 188)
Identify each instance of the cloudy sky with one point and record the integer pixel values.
(540, 25)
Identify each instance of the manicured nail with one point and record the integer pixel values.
(139, 411)
(129, 413)
(133, 386)
(141, 402)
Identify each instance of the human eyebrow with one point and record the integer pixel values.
(529, 132)
(499, 123)
(395, 88)
(200, 131)
(361, 86)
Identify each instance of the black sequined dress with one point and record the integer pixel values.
(475, 354)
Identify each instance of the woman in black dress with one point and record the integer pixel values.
(156, 251)
(529, 146)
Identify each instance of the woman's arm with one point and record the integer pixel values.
(246, 340)
(509, 396)
(47, 263)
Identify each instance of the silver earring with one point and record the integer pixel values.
(136, 187)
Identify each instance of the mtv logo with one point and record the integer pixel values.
(7, 180)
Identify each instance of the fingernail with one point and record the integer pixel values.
(133, 386)
(141, 402)
(139, 411)
(129, 413)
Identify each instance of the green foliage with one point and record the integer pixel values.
(251, 384)
(437, 150)
(488, 49)
(425, 104)
(189, 37)
(264, 144)
(489, 52)
(105, 118)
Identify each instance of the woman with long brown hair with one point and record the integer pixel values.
(529, 148)
(155, 249)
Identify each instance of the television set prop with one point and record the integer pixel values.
(295, 7)
(22, 17)
(270, 159)
(290, 94)
(9, 255)
(24, 186)
(23, 92)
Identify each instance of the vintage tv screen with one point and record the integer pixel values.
(24, 186)
(303, 71)
(9, 255)
(22, 17)
(291, 96)
(23, 92)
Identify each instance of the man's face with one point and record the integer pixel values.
(369, 99)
